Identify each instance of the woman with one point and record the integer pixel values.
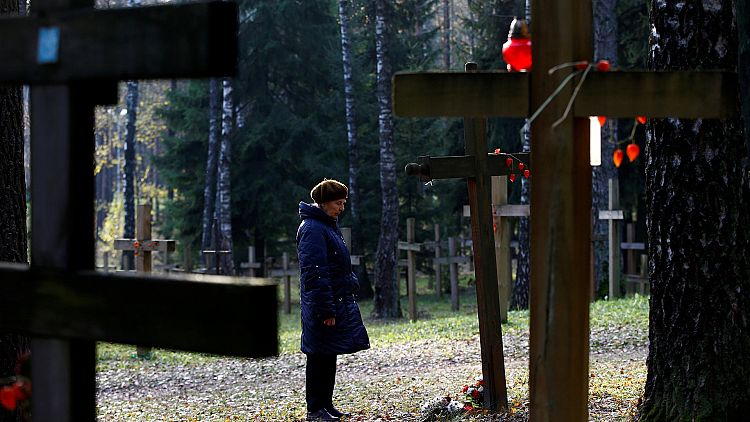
(331, 321)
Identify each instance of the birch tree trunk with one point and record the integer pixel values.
(209, 184)
(698, 198)
(12, 205)
(223, 183)
(365, 291)
(605, 47)
(128, 178)
(386, 284)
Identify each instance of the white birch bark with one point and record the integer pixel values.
(351, 134)
(223, 206)
(386, 284)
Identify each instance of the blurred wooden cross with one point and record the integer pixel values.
(72, 56)
(561, 193)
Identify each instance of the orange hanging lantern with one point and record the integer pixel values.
(517, 50)
(633, 150)
(602, 120)
(617, 157)
(641, 119)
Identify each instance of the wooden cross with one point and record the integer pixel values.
(614, 216)
(452, 260)
(411, 247)
(347, 233)
(632, 278)
(251, 265)
(72, 55)
(501, 211)
(142, 246)
(561, 192)
(478, 167)
(286, 272)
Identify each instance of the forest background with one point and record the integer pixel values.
(285, 127)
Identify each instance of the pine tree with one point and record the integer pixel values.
(698, 196)
(12, 205)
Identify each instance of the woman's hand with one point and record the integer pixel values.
(330, 322)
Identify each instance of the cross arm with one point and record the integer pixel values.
(461, 166)
(167, 312)
(686, 94)
(188, 40)
(698, 94)
(459, 94)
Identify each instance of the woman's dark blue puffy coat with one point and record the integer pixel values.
(327, 287)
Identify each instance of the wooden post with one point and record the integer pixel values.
(287, 284)
(62, 121)
(143, 257)
(411, 257)
(286, 273)
(560, 230)
(436, 265)
(614, 242)
(453, 270)
(143, 234)
(502, 243)
(630, 252)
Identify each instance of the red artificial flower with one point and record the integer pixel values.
(475, 394)
(480, 382)
(497, 150)
(468, 408)
(466, 387)
(8, 397)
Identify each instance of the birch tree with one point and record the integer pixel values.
(12, 204)
(386, 284)
(223, 207)
(698, 197)
(210, 182)
(128, 181)
(351, 136)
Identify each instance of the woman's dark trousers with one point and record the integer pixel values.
(320, 377)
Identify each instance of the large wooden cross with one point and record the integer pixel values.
(561, 180)
(72, 56)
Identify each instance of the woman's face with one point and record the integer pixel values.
(333, 208)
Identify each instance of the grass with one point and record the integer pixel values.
(617, 368)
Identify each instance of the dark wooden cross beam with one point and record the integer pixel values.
(561, 192)
(72, 56)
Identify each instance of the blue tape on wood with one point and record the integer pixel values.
(49, 45)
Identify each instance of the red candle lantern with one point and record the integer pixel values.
(517, 50)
